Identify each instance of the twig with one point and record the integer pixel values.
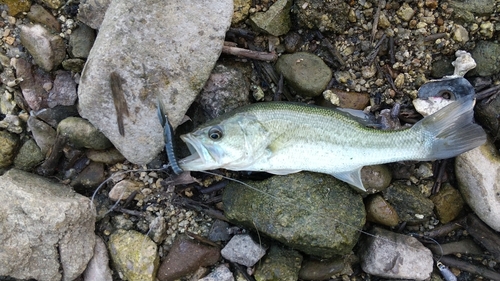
(487, 237)
(445, 229)
(330, 48)
(376, 18)
(465, 266)
(115, 82)
(488, 93)
(256, 55)
(371, 57)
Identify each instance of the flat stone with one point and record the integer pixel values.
(8, 148)
(279, 264)
(81, 41)
(82, 134)
(305, 72)
(186, 256)
(43, 133)
(160, 51)
(244, 250)
(48, 50)
(63, 91)
(478, 176)
(313, 213)
(91, 12)
(409, 203)
(276, 20)
(47, 229)
(134, 255)
(98, 267)
(39, 15)
(29, 156)
(35, 85)
(448, 203)
(393, 255)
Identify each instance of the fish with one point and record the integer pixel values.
(285, 137)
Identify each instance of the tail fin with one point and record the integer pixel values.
(453, 130)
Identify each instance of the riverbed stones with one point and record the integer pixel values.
(478, 176)
(305, 72)
(276, 20)
(391, 255)
(313, 213)
(162, 51)
(134, 255)
(47, 230)
(48, 50)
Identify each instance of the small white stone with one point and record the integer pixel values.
(463, 63)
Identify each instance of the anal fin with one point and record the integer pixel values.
(351, 177)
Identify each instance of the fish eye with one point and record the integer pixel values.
(215, 133)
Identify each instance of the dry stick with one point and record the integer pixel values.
(256, 55)
(371, 57)
(488, 93)
(465, 266)
(330, 48)
(487, 237)
(443, 230)
(115, 82)
(376, 18)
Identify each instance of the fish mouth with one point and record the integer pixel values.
(199, 157)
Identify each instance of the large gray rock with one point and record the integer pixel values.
(313, 213)
(46, 229)
(163, 50)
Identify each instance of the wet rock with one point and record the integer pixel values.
(380, 211)
(376, 177)
(134, 255)
(305, 72)
(123, 189)
(81, 41)
(44, 134)
(313, 213)
(274, 21)
(81, 133)
(110, 156)
(487, 56)
(408, 202)
(12, 123)
(91, 12)
(279, 264)
(478, 176)
(448, 203)
(219, 231)
(47, 229)
(36, 84)
(39, 15)
(73, 65)
(314, 269)
(397, 256)
(8, 148)
(185, 257)
(29, 156)
(323, 15)
(98, 267)
(244, 250)
(14, 7)
(487, 114)
(221, 273)
(442, 67)
(90, 178)
(53, 116)
(226, 89)
(241, 9)
(63, 90)
(48, 50)
(159, 51)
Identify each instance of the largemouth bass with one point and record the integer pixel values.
(283, 138)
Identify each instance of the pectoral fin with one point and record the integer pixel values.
(352, 177)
